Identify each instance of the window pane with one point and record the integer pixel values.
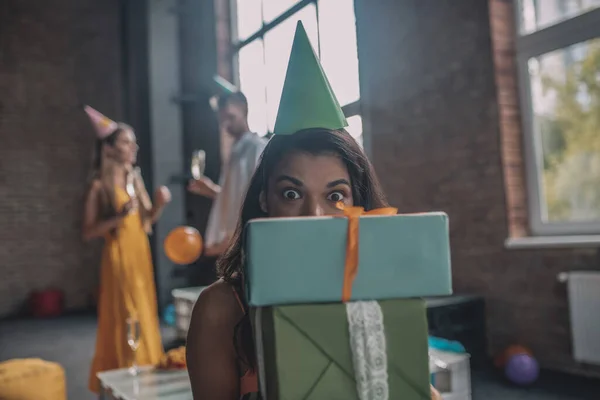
(278, 44)
(274, 8)
(339, 57)
(565, 88)
(252, 84)
(355, 128)
(249, 18)
(539, 14)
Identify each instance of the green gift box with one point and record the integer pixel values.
(304, 351)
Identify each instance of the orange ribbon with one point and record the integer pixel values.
(351, 266)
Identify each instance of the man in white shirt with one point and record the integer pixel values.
(234, 180)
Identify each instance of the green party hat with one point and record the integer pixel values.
(307, 100)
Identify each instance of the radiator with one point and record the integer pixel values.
(584, 307)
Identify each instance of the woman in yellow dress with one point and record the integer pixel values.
(119, 210)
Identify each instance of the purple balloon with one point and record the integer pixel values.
(522, 369)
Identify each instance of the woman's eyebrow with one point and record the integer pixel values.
(293, 180)
(338, 182)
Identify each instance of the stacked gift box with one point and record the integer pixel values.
(297, 284)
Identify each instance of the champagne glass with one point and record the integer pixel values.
(198, 163)
(130, 187)
(133, 340)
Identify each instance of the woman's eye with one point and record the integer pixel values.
(291, 194)
(336, 196)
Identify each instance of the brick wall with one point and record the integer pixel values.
(442, 140)
(54, 55)
(503, 31)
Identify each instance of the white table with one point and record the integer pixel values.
(149, 384)
(452, 376)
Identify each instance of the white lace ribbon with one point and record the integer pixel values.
(367, 341)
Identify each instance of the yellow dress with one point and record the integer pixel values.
(126, 289)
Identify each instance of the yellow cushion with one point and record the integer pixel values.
(32, 379)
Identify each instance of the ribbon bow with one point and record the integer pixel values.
(351, 266)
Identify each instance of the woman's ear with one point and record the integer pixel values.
(262, 199)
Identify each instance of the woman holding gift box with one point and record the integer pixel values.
(308, 168)
(119, 210)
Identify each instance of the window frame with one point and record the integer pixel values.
(349, 110)
(578, 29)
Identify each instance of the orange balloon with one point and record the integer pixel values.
(183, 245)
(510, 351)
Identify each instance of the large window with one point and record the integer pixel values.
(558, 53)
(264, 30)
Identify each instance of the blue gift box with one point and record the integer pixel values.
(301, 260)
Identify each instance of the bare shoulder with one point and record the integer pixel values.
(217, 306)
(210, 351)
(93, 191)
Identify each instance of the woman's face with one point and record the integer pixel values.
(303, 185)
(125, 148)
